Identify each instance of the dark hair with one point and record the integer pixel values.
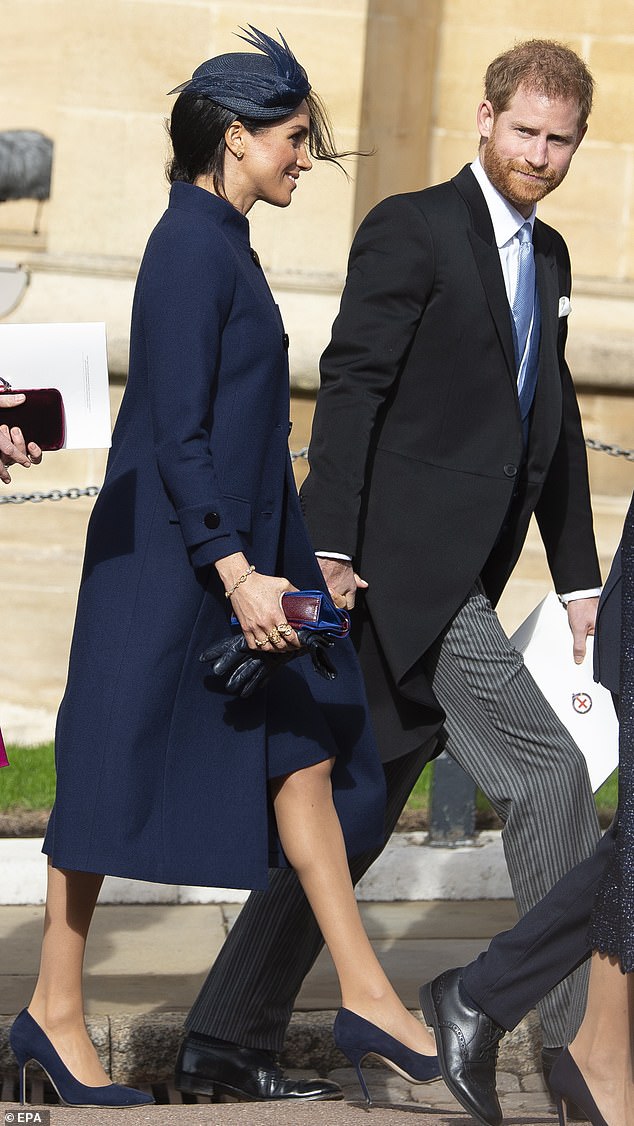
(543, 66)
(197, 130)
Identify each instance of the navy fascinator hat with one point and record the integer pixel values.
(262, 87)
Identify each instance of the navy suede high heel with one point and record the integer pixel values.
(567, 1082)
(358, 1038)
(29, 1042)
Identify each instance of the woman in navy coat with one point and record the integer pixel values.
(161, 774)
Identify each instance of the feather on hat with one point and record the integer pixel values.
(263, 87)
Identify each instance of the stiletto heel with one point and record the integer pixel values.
(23, 1084)
(561, 1110)
(358, 1038)
(29, 1042)
(567, 1082)
(356, 1062)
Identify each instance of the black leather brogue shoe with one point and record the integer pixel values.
(467, 1042)
(549, 1055)
(224, 1071)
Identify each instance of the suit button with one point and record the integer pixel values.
(285, 341)
(510, 470)
(212, 520)
(290, 427)
(254, 255)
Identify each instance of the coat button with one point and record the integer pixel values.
(510, 470)
(285, 341)
(254, 255)
(290, 427)
(212, 520)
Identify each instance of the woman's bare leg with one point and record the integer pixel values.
(603, 1046)
(312, 840)
(58, 1000)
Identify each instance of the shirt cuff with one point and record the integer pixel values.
(333, 555)
(595, 592)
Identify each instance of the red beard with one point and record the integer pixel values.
(505, 175)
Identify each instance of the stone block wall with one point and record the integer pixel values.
(401, 78)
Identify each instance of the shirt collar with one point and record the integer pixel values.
(506, 220)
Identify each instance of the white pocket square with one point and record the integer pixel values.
(564, 306)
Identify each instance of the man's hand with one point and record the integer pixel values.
(582, 613)
(342, 581)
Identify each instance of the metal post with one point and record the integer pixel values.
(453, 803)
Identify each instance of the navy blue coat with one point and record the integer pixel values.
(161, 775)
(607, 642)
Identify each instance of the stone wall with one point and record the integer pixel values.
(594, 208)
(401, 78)
(93, 75)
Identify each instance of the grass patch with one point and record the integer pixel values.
(29, 783)
(606, 798)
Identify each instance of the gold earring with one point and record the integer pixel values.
(239, 154)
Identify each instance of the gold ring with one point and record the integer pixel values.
(274, 636)
(284, 629)
(261, 643)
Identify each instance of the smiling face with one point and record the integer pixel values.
(267, 164)
(527, 148)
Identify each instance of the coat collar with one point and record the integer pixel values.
(486, 254)
(548, 393)
(198, 201)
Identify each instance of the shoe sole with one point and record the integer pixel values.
(431, 1018)
(400, 1071)
(221, 1092)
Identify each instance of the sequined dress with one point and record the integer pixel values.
(612, 927)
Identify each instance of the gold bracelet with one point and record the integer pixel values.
(243, 578)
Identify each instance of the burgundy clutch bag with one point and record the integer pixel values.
(40, 417)
(312, 609)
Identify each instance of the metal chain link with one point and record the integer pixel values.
(92, 490)
(613, 451)
(54, 494)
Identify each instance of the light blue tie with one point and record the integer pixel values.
(524, 299)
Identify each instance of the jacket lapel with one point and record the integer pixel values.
(548, 395)
(547, 287)
(487, 260)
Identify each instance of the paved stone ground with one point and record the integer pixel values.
(146, 962)
(249, 1114)
(395, 1103)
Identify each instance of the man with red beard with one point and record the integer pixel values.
(446, 418)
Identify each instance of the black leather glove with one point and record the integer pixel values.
(317, 642)
(244, 669)
(241, 668)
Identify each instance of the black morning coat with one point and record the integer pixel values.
(417, 463)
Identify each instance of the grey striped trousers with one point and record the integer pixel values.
(506, 736)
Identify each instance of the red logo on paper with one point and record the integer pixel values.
(581, 702)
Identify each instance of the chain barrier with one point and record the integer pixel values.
(54, 494)
(613, 451)
(92, 490)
